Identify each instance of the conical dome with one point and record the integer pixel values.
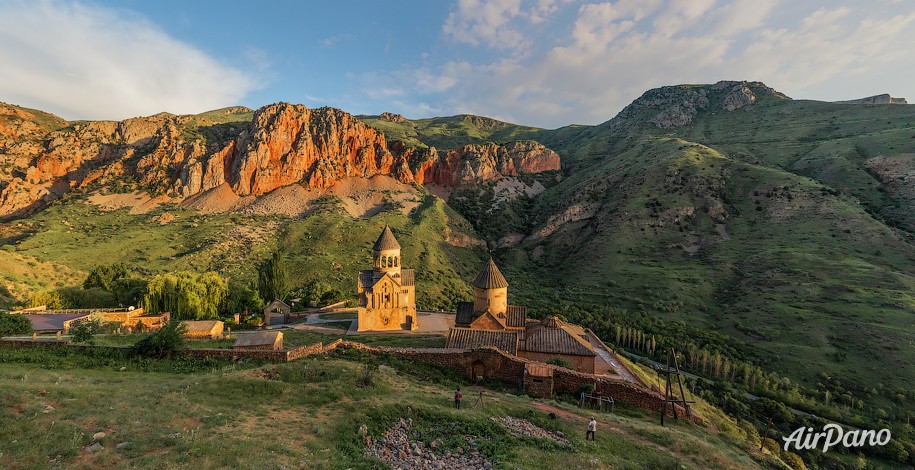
(386, 241)
(490, 277)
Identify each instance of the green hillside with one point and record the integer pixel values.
(759, 233)
(445, 133)
(308, 414)
(772, 244)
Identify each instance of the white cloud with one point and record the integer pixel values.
(617, 50)
(497, 24)
(87, 62)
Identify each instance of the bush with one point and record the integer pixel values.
(14, 325)
(84, 331)
(163, 343)
(558, 361)
(365, 378)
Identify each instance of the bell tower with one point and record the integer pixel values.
(386, 255)
(490, 290)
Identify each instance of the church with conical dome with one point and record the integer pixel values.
(489, 321)
(387, 292)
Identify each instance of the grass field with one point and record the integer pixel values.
(305, 415)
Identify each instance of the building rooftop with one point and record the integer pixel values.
(258, 338)
(200, 325)
(490, 277)
(553, 336)
(515, 316)
(52, 321)
(386, 241)
(466, 338)
(366, 278)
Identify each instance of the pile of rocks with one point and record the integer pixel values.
(524, 428)
(397, 450)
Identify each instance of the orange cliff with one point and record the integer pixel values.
(283, 144)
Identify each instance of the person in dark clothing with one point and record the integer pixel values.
(457, 398)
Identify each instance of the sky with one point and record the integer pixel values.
(546, 63)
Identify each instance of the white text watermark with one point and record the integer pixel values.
(833, 435)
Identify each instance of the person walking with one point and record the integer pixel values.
(592, 427)
(457, 398)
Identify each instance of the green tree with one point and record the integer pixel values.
(84, 331)
(104, 276)
(243, 297)
(11, 324)
(187, 295)
(93, 297)
(50, 299)
(272, 279)
(163, 343)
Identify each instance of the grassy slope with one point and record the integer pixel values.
(332, 247)
(445, 133)
(807, 275)
(304, 414)
(328, 246)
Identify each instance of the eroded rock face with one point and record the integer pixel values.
(876, 99)
(475, 163)
(284, 144)
(739, 96)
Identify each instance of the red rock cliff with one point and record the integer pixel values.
(283, 144)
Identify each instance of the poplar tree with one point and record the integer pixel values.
(272, 280)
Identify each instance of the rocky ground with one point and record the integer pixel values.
(524, 428)
(396, 449)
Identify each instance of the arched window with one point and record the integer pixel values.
(384, 261)
(395, 261)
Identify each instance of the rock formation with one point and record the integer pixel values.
(182, 156)
(876, 99)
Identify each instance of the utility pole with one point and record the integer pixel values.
(672, 372)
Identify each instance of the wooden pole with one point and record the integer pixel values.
(765, 434)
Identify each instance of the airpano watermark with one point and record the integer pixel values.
(833, 435)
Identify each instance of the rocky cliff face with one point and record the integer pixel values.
(876, 99)
(186, 155)
(476, 163)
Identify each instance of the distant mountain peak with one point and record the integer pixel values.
(678, 105)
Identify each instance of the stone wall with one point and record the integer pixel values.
(498, 365)
(486, 362)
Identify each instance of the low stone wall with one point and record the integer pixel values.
(236, 354)
(495, 364)
(486, 362)
(304, 351)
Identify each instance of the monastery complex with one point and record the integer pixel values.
(387, 301)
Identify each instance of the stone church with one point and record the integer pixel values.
(489, 321)
(387, 292)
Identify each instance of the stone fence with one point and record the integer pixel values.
(490, 363)
(496, 364)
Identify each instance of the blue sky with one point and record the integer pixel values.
(539, 62)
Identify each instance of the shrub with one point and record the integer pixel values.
(163, 343)
(558, 361)
(84, 331)
(11, 324)
(366, 376)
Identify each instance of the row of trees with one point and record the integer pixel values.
(187, 295)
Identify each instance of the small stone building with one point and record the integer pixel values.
(269, 340)
(387, 292)
(277, 313)
(201, 329)
(489, 321)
